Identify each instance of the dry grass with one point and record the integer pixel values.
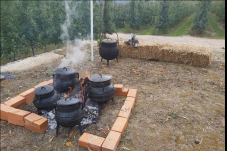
(196, 94)
(177, 53)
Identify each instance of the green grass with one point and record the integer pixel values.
(122, 30)
(219, 32)
(130, 30)
(152, 30)
(148, 31)
(183, 28)
(180, 29)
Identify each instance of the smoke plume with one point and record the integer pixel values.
(74, 53)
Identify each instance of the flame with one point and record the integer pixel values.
(82, 82)
(81, 87)
(69, 92)
(87, 74)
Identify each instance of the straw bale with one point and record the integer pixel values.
(177, 53)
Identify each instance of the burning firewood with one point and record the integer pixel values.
(69, 92)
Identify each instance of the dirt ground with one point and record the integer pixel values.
(176, 105)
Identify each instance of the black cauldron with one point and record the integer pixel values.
(101, 89)
(109, 49)
(45, 98)
(65, 78)
(68, 113)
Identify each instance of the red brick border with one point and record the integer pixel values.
(34, 122)
(11, 113)
(113, 138)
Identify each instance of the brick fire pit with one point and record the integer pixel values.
(11, 112)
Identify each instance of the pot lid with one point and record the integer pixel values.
(110, 41)
(100, 77)
(68, 101)
(42, 90)
(65, 71)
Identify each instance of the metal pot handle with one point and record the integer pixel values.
(77, 75)
(117, 39)
(43, 88)
(65, 68)
(67, 98)
(100, 74)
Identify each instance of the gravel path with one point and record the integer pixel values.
(30, 62)
(213, 44)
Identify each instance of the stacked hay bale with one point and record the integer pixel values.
(177, 53)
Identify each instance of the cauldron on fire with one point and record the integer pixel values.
(65, 78)
(45, 98)
(101, 89)
(109, 49)
(68, 113)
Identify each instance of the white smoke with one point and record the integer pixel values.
(74, 53)
(64, 27)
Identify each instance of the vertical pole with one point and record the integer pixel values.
(91, 2)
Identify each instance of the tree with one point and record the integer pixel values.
(201, 18)
(28, 24)
(44, 22)
(132, 14)
(121, 14)
(163, 22)
(108, 18)
(58, 17)
(12, 40)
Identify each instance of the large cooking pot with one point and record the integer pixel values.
(101, 89)
(45, 98)
(68, 112)
(109, 49)
(65, 78)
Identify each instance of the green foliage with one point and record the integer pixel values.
(108, 18)
(158, 16)
(99, 42)
(219, 32)
(163, 20)
(200, 23)
(218, 8)
(30, 27)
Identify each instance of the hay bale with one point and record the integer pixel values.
(177, 53)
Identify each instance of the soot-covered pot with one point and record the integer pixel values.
(65, 78)
(68, 112)
(101, 89)
(109, 49)
(45, 98)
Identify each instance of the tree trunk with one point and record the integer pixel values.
(33, 51)
(45, 48)
(103, 7)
